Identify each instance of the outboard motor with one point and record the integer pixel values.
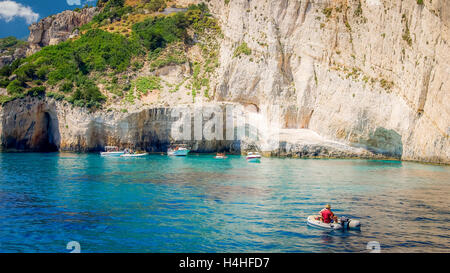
(349, 223)
(345, 222)
(354, 224)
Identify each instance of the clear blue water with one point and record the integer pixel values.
(200, 204)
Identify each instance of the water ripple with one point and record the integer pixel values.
(198, 204)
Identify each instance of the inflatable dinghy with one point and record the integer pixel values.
(343, 223)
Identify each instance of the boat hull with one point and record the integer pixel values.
(111, 153)
(350, 224)
(254, 158)
(179, 153)
(319, 224)
(133, 155)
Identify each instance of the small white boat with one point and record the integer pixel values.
(253, 157)
(179, 151)
(134, 155)
(111, 151)
(343, 223)
(220, 156)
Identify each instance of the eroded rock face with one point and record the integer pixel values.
(371, 74)
(43, 124)
(57, 28)
(29, 125)
(365, 78)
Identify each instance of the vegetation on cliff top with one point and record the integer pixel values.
(71, 69)
(9, 44)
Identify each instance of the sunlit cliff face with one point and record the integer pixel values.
(339, 78)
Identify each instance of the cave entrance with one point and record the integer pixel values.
(49, 134)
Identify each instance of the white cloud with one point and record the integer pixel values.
(10, 9)
(73, 2)
(78, 2)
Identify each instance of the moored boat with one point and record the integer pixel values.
(253, 157)
(134, 155)
(112, 151)
(220, 156)
(180, 150)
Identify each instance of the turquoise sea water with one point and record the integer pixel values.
(200, 204)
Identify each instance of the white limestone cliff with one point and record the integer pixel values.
(352, 78)
(367, 73)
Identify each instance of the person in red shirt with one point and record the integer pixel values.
(326, 215)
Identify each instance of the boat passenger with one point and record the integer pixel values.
(326, 215)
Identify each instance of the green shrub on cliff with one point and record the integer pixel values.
(56, 96)
(172, 55)
(42, 72)
(242, 49)
(200, 19)
(87, 94)
(15, 87)
(112, 10)
(36, 91)
(26, 72)
(157, 32)
(4, 99)
(74, 66)
(66, 87)
(8, 69)
(9, 44)
(154, 5)
(4, 83)
(97, 50)
(145, 84)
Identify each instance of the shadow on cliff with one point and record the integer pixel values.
(151, 130)
(49, 136)
(34, 129)
(385, 142)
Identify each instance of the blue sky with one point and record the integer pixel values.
(17, 15)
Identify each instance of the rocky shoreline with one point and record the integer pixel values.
(45, 124)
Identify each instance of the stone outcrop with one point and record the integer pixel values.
(58, 28)
(19, 53)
